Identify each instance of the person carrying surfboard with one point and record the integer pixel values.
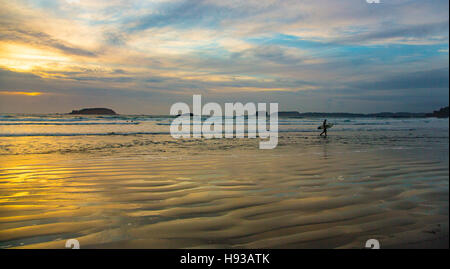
(324, 127)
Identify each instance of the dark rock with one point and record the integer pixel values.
(441, 113)
(289, 114)
(93, 111)
(186, 114)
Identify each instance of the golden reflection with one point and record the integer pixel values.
(307, 194)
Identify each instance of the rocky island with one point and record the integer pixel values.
(289, 114)
(93, 111)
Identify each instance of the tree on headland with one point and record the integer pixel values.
(441, 113)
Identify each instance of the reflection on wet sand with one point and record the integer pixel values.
(307, 193)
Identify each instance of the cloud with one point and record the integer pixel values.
(272, 53)
(428, 79)
(185, 14)
(40, 39)
(409, 34)
(301, 53)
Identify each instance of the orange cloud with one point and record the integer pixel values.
(21, 93)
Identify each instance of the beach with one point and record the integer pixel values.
(124, 182)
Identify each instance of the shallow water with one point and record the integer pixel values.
(371, 178)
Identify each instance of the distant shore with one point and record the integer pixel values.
(442, 113)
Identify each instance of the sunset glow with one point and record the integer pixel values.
(21, 93)
(306, 55)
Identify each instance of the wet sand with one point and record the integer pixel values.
(309, 192)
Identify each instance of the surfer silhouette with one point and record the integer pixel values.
(324, 127)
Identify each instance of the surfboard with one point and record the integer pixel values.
(329, 125)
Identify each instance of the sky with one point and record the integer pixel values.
(140, 57)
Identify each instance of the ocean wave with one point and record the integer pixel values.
(82, 134)
(69, 123)
(80, 118)
(168, 133)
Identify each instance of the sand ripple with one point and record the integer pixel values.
(308, 193)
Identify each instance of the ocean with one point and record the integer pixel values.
(124, 182)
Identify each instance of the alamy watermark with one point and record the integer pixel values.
(72, 244)
(218, 125)
(373, 244)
